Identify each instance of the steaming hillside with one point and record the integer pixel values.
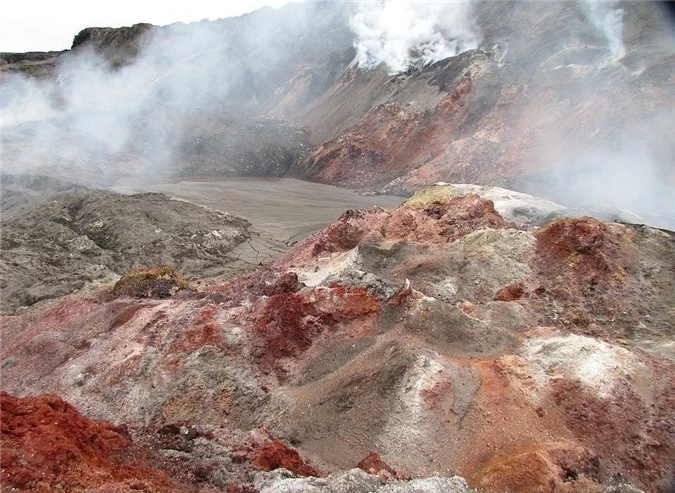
(573, 100)
(471, 337)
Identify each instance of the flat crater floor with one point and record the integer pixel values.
(287, 209)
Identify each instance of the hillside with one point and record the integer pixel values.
(517, 357)
(211, 280)
(556, 109)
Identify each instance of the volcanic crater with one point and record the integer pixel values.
(189, 303)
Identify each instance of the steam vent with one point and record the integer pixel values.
(343, 247)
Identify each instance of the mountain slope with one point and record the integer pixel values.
(567, 107)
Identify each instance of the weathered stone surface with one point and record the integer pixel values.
(457, 343)
(68, 239)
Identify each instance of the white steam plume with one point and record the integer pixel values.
(92, 122)
(609, 20)
(633, 176)
(80, 119)
(400, 34)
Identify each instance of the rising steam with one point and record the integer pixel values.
(609, 20)
(89, 113)
(92, 118)
(95, 120)
(400, 33)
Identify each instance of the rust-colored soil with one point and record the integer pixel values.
(440, 335)
(47, 445)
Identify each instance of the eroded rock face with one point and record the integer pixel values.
(119, 46)
(440, 336)
(547, 109)
(57, 239)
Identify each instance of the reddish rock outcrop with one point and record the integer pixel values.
(374, 151)
(593, 267)
(592, 251)
(276, 454)
(438, 222)
(290, 322)
(511, 292)
(638, 433)
(47, 445)
(373, 464)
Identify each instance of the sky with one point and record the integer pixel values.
(48, 25)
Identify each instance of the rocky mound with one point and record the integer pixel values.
(439, 335)
(48, 446)
(155, 282)
(73, 237)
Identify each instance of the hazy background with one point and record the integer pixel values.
(97, 118)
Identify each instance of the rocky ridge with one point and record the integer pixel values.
(58, 237)
(440, 335)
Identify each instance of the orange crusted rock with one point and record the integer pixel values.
(373, 464)
(584, 248)
(276, 454)
(511, 292)
(49, 446)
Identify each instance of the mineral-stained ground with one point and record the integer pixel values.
(473, 338)
(438, 339)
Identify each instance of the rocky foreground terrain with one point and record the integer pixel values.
(444, 337)
(473, 339)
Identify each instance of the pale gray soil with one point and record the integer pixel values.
(285, 208)
(58, 237)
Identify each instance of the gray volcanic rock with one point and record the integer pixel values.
(28, 190)
(215, 144)
(119, 46)
(76, 236)
(356, 481)
(473, 331)
(35, 64)
(205, 143)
